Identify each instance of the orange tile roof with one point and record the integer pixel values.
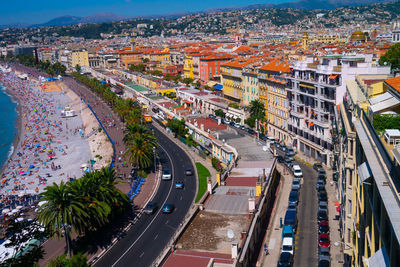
(276, 66)
(240, 62)
(394, 83)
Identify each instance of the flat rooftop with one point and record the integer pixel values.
(208, 232)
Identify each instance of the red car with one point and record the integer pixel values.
(323, 227)
(324, 241)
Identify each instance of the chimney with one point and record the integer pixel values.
(235, 248)
(202, 127)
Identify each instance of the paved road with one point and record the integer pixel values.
(148, 237)
(306, 240)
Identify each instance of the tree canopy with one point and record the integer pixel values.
(392, 57)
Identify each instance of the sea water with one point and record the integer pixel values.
(8, 125)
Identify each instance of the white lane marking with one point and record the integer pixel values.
(169, 192)
(167, 222)
(141, 255)
(156, 237)
(181, 198)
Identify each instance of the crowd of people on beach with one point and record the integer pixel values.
(41, 131)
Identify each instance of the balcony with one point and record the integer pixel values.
(297, 114)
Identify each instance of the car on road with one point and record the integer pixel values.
(322, 196)
(291, 219)
(231, 123)
(320, 185)
(289, 158)
(287, 245)
(297, 171)
(168, 208)
(296, 184)
(292, 207)
(322, 216)
(323, 227)
(150, 208)
(322, 251)
(250, 131)
(280, 159)
(188, 172)
(262, 137)
(290, 151)
(179, 185)
(166, 174)
(237, 125)
(324, 241)
(294, 197)
(321, 177)
(317, 166)
(224, 121)
(211, 116)
(321, 171)
(323, 206)
(324, 263)
(287, 231)
(285, 260)
(242, 127)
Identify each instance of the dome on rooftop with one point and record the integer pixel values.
(358, 36)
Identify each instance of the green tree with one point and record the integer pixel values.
(145, 60)
(187, 81)
(62, 211)
(219, 112)
(20, 234)
(392, 57)
(140, 151)
(177, 127)
(257, 109)
(78, 68)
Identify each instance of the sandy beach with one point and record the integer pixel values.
(51, 148)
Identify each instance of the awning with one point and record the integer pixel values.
(218, 86)
(187, 101)
(364, 171)
(379, 258)
(333, 76)
(306, 85)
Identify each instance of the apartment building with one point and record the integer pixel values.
(250, 85)
(210, 65)
(316, 87)
(273, 94)
(127, 58)
(79, 57)
(232, 79)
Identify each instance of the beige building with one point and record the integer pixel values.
(80, 58)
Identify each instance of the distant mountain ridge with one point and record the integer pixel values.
(110, 17)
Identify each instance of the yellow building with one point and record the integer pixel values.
(231, 73)
(80, 58)
(188, 67)
(274, 96)
(250, 85)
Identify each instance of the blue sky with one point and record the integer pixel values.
(39, 11)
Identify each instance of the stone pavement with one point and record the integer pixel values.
(273, 237)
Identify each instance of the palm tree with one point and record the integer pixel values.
(133, 130)
(257, 109)
(61, 211)
(140, 150)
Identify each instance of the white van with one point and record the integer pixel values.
(287, 245)
(297, 171)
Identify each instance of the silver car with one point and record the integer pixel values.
(296, 183)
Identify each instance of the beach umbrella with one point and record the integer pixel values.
(19, 207)
(5, 211)
(14, 211)
(19, 219)
(41, 203)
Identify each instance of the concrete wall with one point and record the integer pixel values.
(253, 243)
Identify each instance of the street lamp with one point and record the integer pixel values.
(154, 155)
(337, 243)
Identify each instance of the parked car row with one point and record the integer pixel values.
(290, 221)
(324, 242)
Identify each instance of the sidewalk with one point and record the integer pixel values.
(337, 256)
(274, 232)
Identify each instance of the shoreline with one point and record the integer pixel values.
(19, 133)
(47, 147)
